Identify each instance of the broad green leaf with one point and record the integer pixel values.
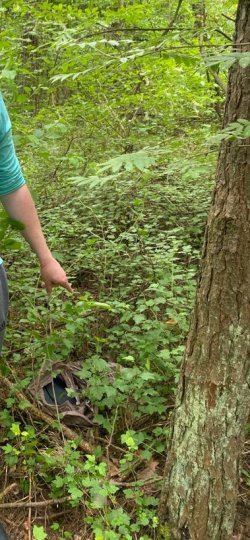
(245, 60)
(9, 74)
(39, 533)
(75, 492)
(24, 404)
(15, 428)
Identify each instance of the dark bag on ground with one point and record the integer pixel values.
(3, 535)
(50, 388)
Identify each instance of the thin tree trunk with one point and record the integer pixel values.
(202, 469)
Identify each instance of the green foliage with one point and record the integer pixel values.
(226, 61)
(111, 122)
(39, 533)
(235, 130)
(6, 225)
(164, 533)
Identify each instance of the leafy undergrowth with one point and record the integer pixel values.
(111, 129)
(110, 497)
(133, 266)
(134, 274)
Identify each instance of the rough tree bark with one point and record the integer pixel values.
(202, 470)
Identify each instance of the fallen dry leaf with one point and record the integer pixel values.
(149, 471)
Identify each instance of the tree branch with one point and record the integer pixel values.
(174, 18)
(36, 504)
(227, 17)
(133, 29)
(223, 34)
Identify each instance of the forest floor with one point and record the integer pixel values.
(19, 521)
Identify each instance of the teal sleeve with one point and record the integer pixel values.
(11, 177)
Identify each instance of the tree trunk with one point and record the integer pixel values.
(202, 470)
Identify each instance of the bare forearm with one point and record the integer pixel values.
(20, 206)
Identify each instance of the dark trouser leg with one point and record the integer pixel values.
(4, 304)
(3, 535)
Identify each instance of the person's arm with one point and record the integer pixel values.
(20, 206)
(18, 203)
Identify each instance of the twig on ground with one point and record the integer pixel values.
(7, 490)
(36, 504)
(37, 413)
(55, 515)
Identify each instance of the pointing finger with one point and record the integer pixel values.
(67, 286)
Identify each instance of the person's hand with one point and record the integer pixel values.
(53, 275)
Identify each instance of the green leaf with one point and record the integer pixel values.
(99, 534)
(70, 469)
(15, 428)
(58, 482)
(9, 74)
(127, 438)
(39, 533)
(246, 131)
(139, 318)
(245, 60)
(75, 492)
(147, 376)
(225, 61)
(16, 225)
(24, 404)
(235, 130)
(136, 160)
